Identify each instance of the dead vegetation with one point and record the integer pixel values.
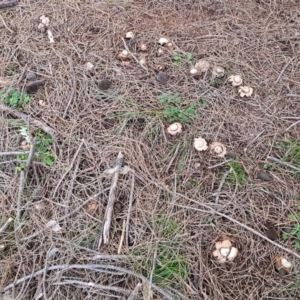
(171, 203)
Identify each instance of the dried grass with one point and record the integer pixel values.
(255, 39)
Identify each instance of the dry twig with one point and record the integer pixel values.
(276, 160)
(104, 238)
(5, 225)
(8, 4)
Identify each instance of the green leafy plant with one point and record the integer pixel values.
(295, 232)
(237, 174)
(174, 109)
(170, 265)
(43, 153)
(177, 58)
(13, 97)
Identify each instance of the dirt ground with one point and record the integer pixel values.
(174, 203)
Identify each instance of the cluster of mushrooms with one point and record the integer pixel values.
(44, 25)
(225, 251)
(200, 144)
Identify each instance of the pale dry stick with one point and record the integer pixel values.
(71, 166)
(294, 124)
(131, 197)
(135, 292)
(122, 237)
(292, 95)
(213, 211)
(13, 153)
(117, 257)
(67, 202)
(127, 49)
(276, 160)
(291, 118)
(5, 225)
(32, 121)
(8, 4)
(174, 156)
(221, 185)
(282, 71)
(217, 165)
(149, 296)
(93, 267)
(73, 87)
(19, 199)
(30, 157)
(104, 238)
(6, 25)
(94, 285)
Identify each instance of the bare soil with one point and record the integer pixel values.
(113, 108)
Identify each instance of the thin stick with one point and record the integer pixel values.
(104, 238)
(13, 153)
(25, 118)
(127, 49)
(6, 25)
(94, 285)
(213, 211)
(71, 166)
(8, 4)
(221, 185)
(129, 210)
(292, 95)
(73, 87)
(271, 158)
(294, 124)
(282, 71)
(122, 237)
(134, 293)
(20, 195)
(5, 225)
(30, 156)
(94, 267)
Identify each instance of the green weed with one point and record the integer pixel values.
(174, 110)
(14, 98)
(42, 152)
(295, 232)
(237, 174)
(170, 265)
(177, 58)
(292, 151)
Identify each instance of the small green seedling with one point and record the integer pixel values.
(177, 58)
(42, 152)
(295, 232)
(237, 174)
(174, 109)
(13, 97)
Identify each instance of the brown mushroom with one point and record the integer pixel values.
(174, 129)
(200, 144)
(245, 91)
(218, 149)
(236, 80)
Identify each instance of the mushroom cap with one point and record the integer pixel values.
(175, 128)
(235, 79)
(225, 251)
(285, 263)
(45, 20)
(193, 71)
(245, 91)
(129, 35)
(226, 244)
(163, 41)
(218, 71)
(200, 144)
(233, 254)
(89, 66)
(218, 148)
(143, 46)
(202, 65)
(124, 55)
(219, 256)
